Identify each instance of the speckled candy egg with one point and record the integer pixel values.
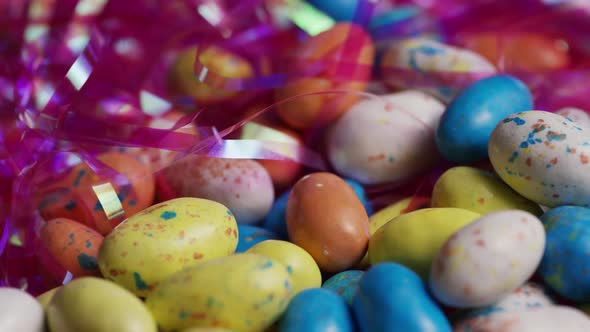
(345, 284)
(242, 185)
(543, 156)
(163, 239)
(73, 246)
(565, 264)
(547, 319)
(81, 193)
(528, 297)
(218, 60)
(392, 297)
(250, 235)
(479, 191)
(19, 311)
(414, 238)
(244, 292)
(577, 114)
(317, 310)
(487, 259)
(97, 305)
(465, 128)
(303, 269)
(325, 217)
(432, 58)
(386, 139)
(342, 45)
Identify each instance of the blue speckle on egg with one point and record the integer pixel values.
(251, 235)
(467, 124)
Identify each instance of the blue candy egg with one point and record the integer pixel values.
(345, 283)
(317, 310)
(251, 235)
(467, 124)
(392, 297)
(339, 10)
(276, 219)
(565, 266)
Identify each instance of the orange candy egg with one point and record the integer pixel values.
(217, 60)
(73, 246)
(524, 51)
(83, 196)
(344, 44)
(325, 217)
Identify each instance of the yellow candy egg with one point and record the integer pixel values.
(163, 239)
(206, 329)
(299, 263)
(46, 297)
(479, 191)
(414, 238)
(244, 292)
(91, 304)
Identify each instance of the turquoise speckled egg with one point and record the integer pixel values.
(345, 283)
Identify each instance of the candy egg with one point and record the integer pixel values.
(249, 236)
(544, 157)
(576, 114)
(339, 10)
(303, 269)
(325, 217)
(20, 311)
(242, 185)
(80, 195)
(317, 310)
(244, 292)
(487, 259)
(97, 305)
(414, 238)
(342, 45)
(345, 284)
(521, 51)
(548, 319)
(391, 297)
(479, 191)
(565, 262)
(163, 239)
(46, 297)
(359, 143)
(73, 246)
(465, 128)
(218, 60)
(431, 58)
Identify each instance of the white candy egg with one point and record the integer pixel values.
(20, 312)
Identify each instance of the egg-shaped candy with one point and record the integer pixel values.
(565, 261)
(242, 185)
(303, 269)
(244, 292)
(221, 61)
(206, 329)
(46, 297)
(414, 238)
(325, 217)
(577, 114)
(479, 191)
(276, 219)
(345, 283)
(521, 51)
(360, 192)
(317, 310)
(543, 156)
(386, 139)
(19, 311)
(547, 319)
(391, 297)
(339, 10)
(431, 58)
(97, 305)
(467, 124)
(80, 195)
(249, 236)
(73, 246)
(342, 45)
(163, 239)
(487, 259)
